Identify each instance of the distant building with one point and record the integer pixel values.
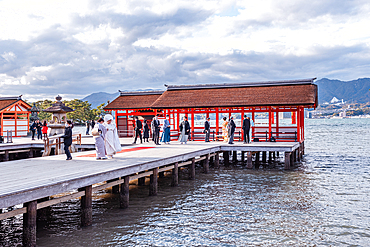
(14, 116)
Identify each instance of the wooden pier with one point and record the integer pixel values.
(32, 181)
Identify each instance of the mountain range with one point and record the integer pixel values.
(349, 91)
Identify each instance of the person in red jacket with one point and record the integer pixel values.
(44, 130)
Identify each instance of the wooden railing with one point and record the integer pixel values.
(56, 141)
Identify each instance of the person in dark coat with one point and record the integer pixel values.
(138, 127)
(68, 139)
(207, 129)
(184, 130)
(92, 124)
(232, 130)
(157, 127)
(39, 128)
(146, 131)
(33, 130)
(246, 128)
(87, 127)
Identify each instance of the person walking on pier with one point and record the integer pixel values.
(146, 131)
(231, 130)
(111, 140)
(87, 127)
(99, 132)
(166, 137)
(246, 128)
(68, 138)
(138, 127)
(185, 130)
(39, 127)
(156, 125)
(33, 130)
(93, 124)
(225, 130)
(207, 129)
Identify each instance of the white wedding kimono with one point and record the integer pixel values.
(112, 144)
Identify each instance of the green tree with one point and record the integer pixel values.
(98, 112)
(42, 105)
(82, 110)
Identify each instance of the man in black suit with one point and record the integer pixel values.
(187, 127)
(157, 127)
(138, 128)
(207, 129)
(232, 130)
(246, 127)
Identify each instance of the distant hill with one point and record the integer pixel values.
(96, 99)
(350, 91)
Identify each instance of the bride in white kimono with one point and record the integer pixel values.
(112, 144)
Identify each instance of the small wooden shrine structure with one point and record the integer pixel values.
(14, 113)
(261, 101)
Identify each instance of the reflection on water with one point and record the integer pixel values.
(323, 202)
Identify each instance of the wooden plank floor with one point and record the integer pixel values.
(30, 179)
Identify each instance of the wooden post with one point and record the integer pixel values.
(226, 158)
(270, 157)
(235, 157)
(192, 169)
(206, 164)
(274, 156)
(217, 161)
(124, 195)
(243, 157)
(287, 160)
(264, 156)
(29, 224)
(161, 175)
(30, 154)
(86, 206)
(6, 155)
(153, 186)
(175, 175)
(249, 160)
(141, 181)
(302, 148)
(257, 162)
(115, 188)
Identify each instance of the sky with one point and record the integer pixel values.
(75, 48)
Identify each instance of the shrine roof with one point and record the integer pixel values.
(272, 93)
(134, 100)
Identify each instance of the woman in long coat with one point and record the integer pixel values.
(184, 131)
(166, 136)
(146, 131)
(225, 131)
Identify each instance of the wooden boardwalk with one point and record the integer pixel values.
(28, 180)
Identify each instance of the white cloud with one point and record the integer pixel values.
(79, 47)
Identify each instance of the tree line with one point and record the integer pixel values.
(82, 110)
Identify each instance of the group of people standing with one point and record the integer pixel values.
(41, 129)
(228, 129)
(88, 125)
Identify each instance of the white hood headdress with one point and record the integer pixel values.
(108, 117)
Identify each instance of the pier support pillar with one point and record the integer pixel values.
(264, 156)
(161, 175)
(257, 161)
(217, 161)
(175, 175)
(192, 169)
(141, 181)
(30, 153)
(29, 224)
(206, 164)
(6, 156)
(235, 157)
(287, 160)
(243, 157)
(115, 188)
(153, 186)
(124, 195)
(270, 157)
(86, 206)
(302, 148)
(226, 158)
(274, 156)
(249, 160)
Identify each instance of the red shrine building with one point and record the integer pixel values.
(264, 102)
(14, 116)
